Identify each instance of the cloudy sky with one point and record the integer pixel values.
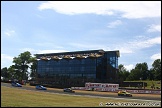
(133, 28)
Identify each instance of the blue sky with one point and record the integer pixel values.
(133, 28)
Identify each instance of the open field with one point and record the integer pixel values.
(13, 97)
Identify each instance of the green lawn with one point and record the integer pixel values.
(13, 97)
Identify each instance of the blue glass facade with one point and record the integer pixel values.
(72, 68)
(75, 71)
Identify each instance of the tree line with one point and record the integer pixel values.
(141, 72)
(25, 67)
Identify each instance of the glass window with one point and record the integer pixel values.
(75, 66)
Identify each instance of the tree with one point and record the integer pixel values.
(135, 74)
(12, 72)
(143, 68)
(126, 74)
(21, 64)
(157, 69)
(123, 73)
(33, 67)
(8, 73)
(4, 73)
(150, 74)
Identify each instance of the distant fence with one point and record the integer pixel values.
(114, 90)
(145, 91)
(133, 84)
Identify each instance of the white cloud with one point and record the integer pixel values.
(6, 60)
(48, 44)
(75, 7)
(138, 44)
(129, 67)
(114, 24)
(33, 51)
(50, 51)
(90, 46)
(9, 32)
(144, 43)
(156, 56)
(125, 50)
(148, 43)
(128, 9)
(154, 28)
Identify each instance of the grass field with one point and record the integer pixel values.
(13, 97)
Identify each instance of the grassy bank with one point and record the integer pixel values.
(13, 97)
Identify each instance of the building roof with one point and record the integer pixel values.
(92, 53)
(117, 52)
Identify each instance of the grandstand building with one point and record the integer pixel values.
(69, 69)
